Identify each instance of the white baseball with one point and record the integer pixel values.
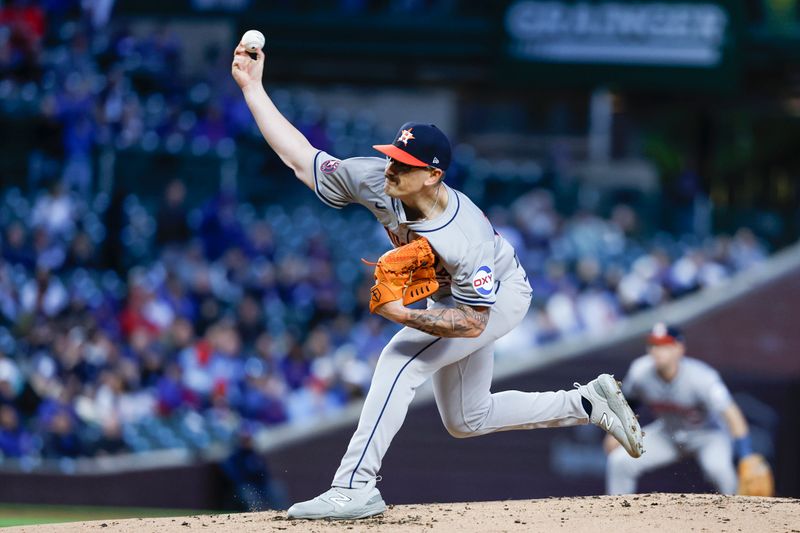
(253, 40)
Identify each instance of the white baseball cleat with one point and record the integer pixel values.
(341, 504)
(611, 412)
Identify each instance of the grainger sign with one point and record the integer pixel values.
(614, 33)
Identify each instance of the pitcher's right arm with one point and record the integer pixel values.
(291, 146)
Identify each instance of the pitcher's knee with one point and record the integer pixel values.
(458, 429)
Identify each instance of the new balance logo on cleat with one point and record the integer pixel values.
(340, 503)
(340, 499)
(606, 422)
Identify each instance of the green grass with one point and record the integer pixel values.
(26, 514)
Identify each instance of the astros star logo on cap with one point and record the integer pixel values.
(430, 146)
(405, 136)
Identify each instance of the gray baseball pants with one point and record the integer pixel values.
(461, 369)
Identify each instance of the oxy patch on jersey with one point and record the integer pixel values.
(483, 281)
(329, 166)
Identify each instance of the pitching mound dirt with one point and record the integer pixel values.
(620, 514)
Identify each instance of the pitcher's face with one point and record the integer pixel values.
(405, 180)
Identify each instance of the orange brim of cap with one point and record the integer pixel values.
(396, 153)
(666, 340)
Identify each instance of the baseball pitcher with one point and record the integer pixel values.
(695, 416)
(446, 252)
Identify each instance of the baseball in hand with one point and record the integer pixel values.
(253, 40)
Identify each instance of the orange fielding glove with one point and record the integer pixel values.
(755, 476)
(406, 272)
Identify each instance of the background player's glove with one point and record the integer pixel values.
(755, 476)
(406, 272)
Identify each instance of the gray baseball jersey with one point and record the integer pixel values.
(477, 267)
(693, 400)
(473, 259)
(687, 411)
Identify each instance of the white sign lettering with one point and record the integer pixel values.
(645, 34)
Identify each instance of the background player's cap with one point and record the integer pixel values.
(419, 145)
(662, 334)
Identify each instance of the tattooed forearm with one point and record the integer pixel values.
(459, 321)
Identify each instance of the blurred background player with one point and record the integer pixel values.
(694, 412)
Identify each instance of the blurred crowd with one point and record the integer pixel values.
(237, 316)
(126, 326)
(588, 272)
(93, 85)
